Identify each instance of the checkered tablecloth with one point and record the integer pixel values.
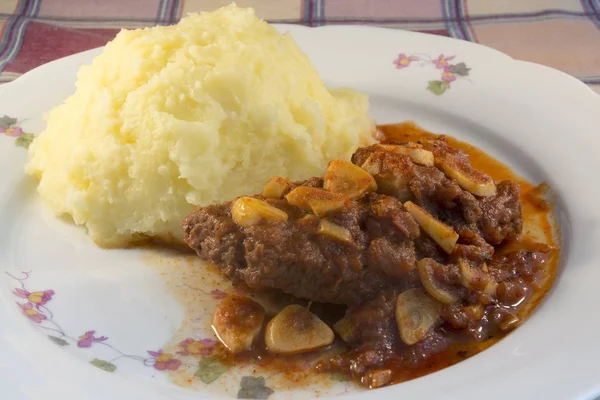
(564, 34)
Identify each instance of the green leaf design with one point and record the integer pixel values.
(438, 87)
(6, 122)
(105, 365)
(253, 387)
(460, 69)
(209, 370)
(25, 140)
(58, 341)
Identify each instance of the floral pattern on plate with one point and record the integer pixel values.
(33, 305)
(9, 127)
(449, 72)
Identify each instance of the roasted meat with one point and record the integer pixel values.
(295, 258)
(384, 240)
(407, 236)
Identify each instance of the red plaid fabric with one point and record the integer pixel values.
(564, 34)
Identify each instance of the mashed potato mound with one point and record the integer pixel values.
(170, 118)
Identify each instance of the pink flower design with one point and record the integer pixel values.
(218, 294)
(164, 361)
(13, 131)
(37, 298)
(442, 62)
(30, 312)
(404, 61)
(87, 339)
(204, 347)
(448, 75)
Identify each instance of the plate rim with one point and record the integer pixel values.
(573, 84)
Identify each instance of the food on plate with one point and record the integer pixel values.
(237, 322)
(297, 330)
(429, 258)
(174, 117)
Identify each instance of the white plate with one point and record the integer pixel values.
(538, 120)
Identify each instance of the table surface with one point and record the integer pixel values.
(564, 34)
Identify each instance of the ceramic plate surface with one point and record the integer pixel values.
(79, 322)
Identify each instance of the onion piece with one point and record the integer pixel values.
(237, 322)
(248, 211)
(441, 233)
(477, 279)
(276, 188)
(319, 201)
(436, 289)
(297, 330)
(345, 329)
(334, 231)
(414, 151)
(416, 314)
(469, 179)
(348, 179)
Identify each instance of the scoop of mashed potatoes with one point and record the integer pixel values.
(170, 118)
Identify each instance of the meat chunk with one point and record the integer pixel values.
(501, 214)
(398, 176)
(371, 324)
(471, 208)
(294, 257)
(498, 217)
(394, 259)
(432, 189)
(426, 247)
(371, 330)
(379, 241)
(472, 247)
(213, 230)
(389, 216)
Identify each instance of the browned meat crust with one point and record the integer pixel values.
(292, 257)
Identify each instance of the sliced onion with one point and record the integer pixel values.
(237, 322)
(319, 201)
(348, 179)
(477, 279)
(414, 151)
(436, 289)
(441, 233)
(248, 211)
(469, 179)
(334, 231)
(297, 330)
(276, 188)
(416, 314)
